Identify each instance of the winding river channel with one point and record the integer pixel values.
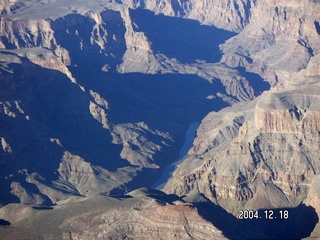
(168, 171)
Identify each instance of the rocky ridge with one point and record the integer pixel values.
(152, 215)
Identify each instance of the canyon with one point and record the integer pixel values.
(96, 98)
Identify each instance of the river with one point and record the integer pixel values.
(168, 171)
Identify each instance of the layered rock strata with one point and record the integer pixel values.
(139, 215)
(263, 154)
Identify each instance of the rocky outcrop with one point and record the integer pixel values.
(139, 56)
(55, 62)
(263, 154)
(153, 215)
(26, 33)
(288, 35)
(153, 221)
(289, 112)
(232, 15)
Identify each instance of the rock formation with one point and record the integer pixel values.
(96, 98)
(94, 132)
(266, 46)
(263, 154)
(139, 215)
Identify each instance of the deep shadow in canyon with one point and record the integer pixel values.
(300, 223)
(184, 39)
(59, 109)
(256, 81)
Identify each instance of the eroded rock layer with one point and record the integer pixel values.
(141, 214)
(258, 155)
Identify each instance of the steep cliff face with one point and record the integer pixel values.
(289, 112)
(262, 154)
(233, 15)
(139, 56)
(267, 45)
(287, 32)
(26, 34)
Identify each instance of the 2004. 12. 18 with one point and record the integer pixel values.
(264, 214)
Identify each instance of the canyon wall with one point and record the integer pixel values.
(95, 98)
